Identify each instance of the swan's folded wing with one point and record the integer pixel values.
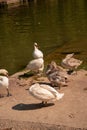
(49, 88)
(34, 64)
(41, 93)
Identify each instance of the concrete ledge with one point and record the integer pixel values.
(22, 125)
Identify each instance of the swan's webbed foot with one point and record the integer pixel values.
(8, 94)
(44, 103)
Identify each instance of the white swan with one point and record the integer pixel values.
(44, 93)
(71, 63)
(56, 75)
(37, 53)
(36, 65)
(65, 61)
(4, 81)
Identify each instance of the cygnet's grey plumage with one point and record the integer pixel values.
(56, 74)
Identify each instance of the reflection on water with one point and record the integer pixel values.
(58, 26)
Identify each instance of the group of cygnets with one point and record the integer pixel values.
(57, 75)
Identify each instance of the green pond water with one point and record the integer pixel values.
(58, 26)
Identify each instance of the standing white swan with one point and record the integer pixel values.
(4, 81)
(45, 93)
(36, 65)
(37, 53)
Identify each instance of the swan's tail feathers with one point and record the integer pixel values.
(60, 96)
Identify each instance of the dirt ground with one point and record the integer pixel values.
(21, 111)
